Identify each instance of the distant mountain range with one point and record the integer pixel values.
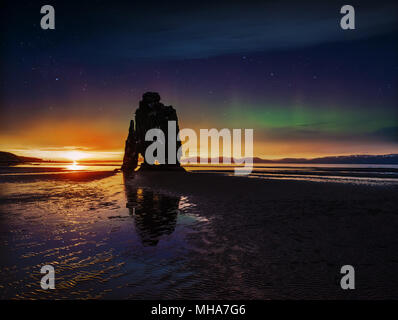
(353, 159)
(8, 158)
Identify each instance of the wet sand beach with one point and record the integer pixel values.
(197, 236)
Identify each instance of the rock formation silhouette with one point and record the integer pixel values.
(150, 114)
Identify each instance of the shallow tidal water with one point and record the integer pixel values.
(104, 239)
(219, 237)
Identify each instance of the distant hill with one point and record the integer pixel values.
(353, 159)
(8, 158)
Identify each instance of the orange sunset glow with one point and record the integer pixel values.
(103, 139)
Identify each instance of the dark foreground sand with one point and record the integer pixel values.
(168, 235)
(289, 239)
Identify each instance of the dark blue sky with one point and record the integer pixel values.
(284, 68)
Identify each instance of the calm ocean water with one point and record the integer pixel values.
(342, 173)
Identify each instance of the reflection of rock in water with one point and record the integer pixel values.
(155, 215)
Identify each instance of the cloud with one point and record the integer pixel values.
(191, 30)
(244, 29)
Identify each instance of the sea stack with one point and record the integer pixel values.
(150, 114)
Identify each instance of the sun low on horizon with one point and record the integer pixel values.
(75, 155)
(303, 95)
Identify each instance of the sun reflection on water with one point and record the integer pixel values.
(75, 166)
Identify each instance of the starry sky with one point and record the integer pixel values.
(284, 68)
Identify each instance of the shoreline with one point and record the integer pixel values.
(223, 237)
(61, 175)
(314, 174)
